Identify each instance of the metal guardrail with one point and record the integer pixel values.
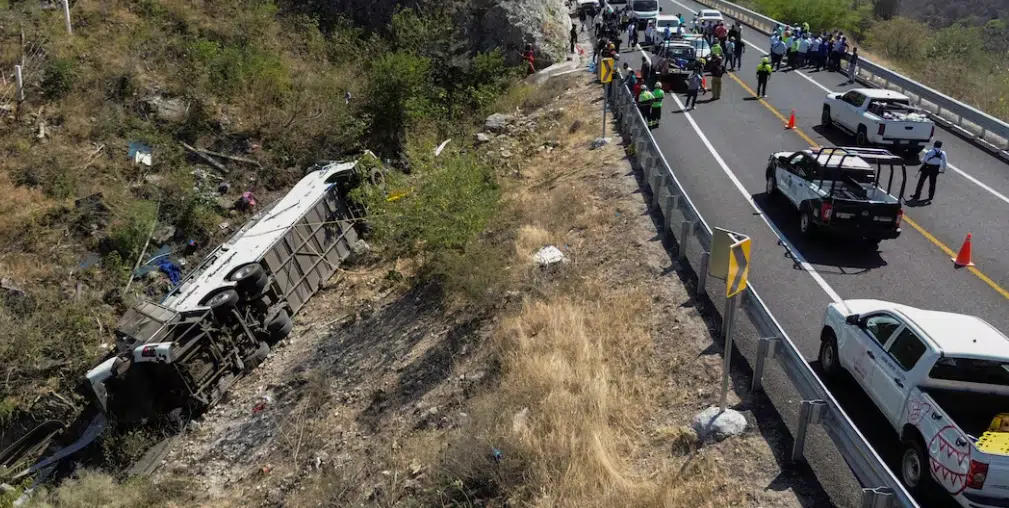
(816, 405)
(987, 131)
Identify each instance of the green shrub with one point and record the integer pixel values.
(444, 203)
(820, 14)
(899, 40)
(130, 228)
(399, 93)
(58, 79)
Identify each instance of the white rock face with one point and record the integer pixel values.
(548, 256)
(713, 423)
(509, 25)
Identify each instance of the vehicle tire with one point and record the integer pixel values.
(221, 302)
(279, 327)
(249, 279)
(862, 136)
(257, 357)
(829, 359)
(771, 184)
(914, 469)
(825, 119)
(806, 225)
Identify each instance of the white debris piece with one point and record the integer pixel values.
(549, 255)
(713, 423)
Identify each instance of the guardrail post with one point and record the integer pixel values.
(686, 227)
(656, 184)
(881, 497)
(810, 412)
(702, 274)
(667, 215)
(767, 348)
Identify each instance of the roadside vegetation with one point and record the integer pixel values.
(262, 82)
(959, 50)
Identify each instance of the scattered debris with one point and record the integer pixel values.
(600, 142)
(169, 110)
(140, 153)
(246, 202)
(208, 159)
(437, 151)
(549, 255)
(482, 137)
(716, 424)
(42, 130)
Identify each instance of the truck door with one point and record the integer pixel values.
(890, 382)
(851, 114)
(792, 178)
(870, 348)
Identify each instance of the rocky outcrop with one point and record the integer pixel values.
(508, 25)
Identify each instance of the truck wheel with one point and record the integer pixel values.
(806, 225)
(221, 302)
(829, 359)
(914, 470)
(257, 357)
(862, 136)
(825, 119)
(771, 185)
(279, 327)
(249, 279)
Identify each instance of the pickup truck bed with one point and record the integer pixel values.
(973, 412)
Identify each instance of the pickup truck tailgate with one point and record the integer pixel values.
(994, 491)
(908, 131)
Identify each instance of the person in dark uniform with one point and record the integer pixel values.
(933, 163)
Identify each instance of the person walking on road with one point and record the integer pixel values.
(737, 57)
(655, 115)
(778, 49)
(632, 34)
(763, 74)
(717, 71)
(852, 65)
(933, 163)
(695, 83)
(730, 54)
(645, 99)
(574, 37)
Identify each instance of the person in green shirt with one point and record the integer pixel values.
(764, 70)
(656, 111)
(645, 99)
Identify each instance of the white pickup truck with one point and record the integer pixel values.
(942, 381)
(878, 117)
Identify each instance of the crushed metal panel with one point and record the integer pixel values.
(312, 250)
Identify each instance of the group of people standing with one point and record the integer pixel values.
(798, 48)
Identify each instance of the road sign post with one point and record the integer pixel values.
(730, 259)
(606, 78)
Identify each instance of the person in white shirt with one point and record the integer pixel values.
(933, 163)
(800, 60)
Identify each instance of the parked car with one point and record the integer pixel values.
(878, 117)
(942, 381)
(645, 11)
(709, 15)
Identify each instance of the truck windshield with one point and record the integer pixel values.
(968, 370)
(645, 5)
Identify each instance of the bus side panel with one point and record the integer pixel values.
(312, 250)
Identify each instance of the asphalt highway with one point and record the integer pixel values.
(719, 153)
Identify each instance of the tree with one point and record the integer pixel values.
(885, 9)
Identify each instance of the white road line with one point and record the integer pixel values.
(979, 183)
(749, 199)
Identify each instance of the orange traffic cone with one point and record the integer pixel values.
(962, 258)
(791, 121)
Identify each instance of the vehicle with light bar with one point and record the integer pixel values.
(942, 381)
(838, 190)
(876, 116)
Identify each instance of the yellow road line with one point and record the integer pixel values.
(924, 232)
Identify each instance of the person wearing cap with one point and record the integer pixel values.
(655, 114)
(764, 70)
(645, 99)
(933, 163)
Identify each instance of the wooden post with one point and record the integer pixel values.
(20, 84)
(66, 15)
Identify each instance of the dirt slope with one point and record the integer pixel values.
(575, 388)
